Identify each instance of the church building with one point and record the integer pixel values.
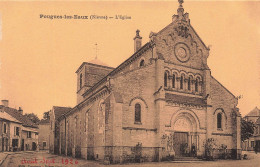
(160, 102)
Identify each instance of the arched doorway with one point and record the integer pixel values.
(184, 133)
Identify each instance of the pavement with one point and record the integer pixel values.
(43, 159)
(4, 155)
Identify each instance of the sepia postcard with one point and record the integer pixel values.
(129, 83)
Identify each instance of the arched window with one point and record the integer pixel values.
(189, 83)
(137, 112)
(141, 63)
(196, 85)
(165, 78)
(86, 121)
(181, 82)
(80, 81)
(173, 80)
(219, 121)
(101, 116)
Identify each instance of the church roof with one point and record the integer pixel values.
(59, 111)
(98, 62)
(94, 63)
(255, 113)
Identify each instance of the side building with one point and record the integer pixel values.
(26, 135)
(10, 132)
(55, 113)
(44, 134)
(253, 143)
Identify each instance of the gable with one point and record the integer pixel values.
(254, 112)
(180, 44)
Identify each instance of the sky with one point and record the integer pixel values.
(39, 56)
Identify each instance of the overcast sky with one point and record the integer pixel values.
(39, 57)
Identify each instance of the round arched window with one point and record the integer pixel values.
(141, 63)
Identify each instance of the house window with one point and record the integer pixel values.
(165, 79)
(219, 121)
(5, 129)
(44, 144)
(181, 82)
(29, 134)
(173, 80)
(16, 131)
(197, 85)
(137, 113)
(189, 84)
(141, 63)
(80, 81)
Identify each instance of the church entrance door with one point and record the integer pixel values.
(180, 140)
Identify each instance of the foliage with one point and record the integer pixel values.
(46, 115)
(209, 145)
(247, 129)
(33, 117)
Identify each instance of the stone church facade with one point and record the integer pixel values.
(161, 99)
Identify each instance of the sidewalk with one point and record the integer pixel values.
(4, 155)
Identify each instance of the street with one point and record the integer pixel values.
(44, 159)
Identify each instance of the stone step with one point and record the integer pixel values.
(186, 159)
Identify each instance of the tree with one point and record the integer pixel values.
(46, 115)
(247, 129)
(34, 118)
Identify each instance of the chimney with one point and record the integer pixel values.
(137, 41)
(5, 103)
(20, 110)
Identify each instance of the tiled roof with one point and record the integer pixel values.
(44, 121)
(59, 111)
(22, 118)
(184, 99)
(5, 116)
(254, 112)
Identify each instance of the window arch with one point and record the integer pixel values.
(173, 80)
(181, 82)
(80, 81)
(137, 113)
(219, 121)
(166, 74)
(141, 64)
